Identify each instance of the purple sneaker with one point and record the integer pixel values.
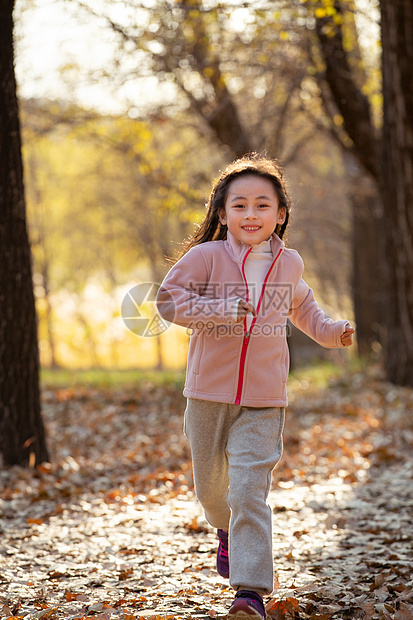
(222, 554)
(247, 606)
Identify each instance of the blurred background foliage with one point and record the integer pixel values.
(112, 190)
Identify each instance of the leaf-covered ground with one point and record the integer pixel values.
(112, 529)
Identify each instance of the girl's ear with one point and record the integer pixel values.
(282, 214)
(222, 216)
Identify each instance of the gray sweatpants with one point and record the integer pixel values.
(234, 450)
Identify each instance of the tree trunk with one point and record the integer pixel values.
(22, 437)
(38, 236)
(397, 43)
(221, 114)
(157, 277)
(90, 338)
(49, 315)
(368, 250)
(349, 99)
(367, 229)
(159, 353)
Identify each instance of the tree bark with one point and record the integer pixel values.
(39, 238)
(397, 174)
(22, 436)
(368, 275)
(350, 101)
(368, 228)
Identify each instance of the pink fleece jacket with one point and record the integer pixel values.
(227, 363)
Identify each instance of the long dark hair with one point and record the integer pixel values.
(255, 164)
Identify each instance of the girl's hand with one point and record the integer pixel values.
(243, 309)
(347, 336)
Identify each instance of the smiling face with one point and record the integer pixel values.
(251, 209)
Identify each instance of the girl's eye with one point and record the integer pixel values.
(238, 206)
(263, 206)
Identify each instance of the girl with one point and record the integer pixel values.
(234, 288)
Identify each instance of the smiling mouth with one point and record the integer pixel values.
(251, 228)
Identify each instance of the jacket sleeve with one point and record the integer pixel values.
(305, 314)
(188, 298)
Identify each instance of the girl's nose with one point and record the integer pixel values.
(250, 214)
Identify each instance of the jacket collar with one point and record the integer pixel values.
(238, 250)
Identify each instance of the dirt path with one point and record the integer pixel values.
(84, 539)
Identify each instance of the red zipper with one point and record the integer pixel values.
(248, 332)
